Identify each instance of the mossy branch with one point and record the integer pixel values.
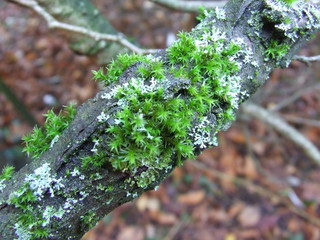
(154, 112)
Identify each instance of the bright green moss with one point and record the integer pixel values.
(276, 50)
(289, 2)
(152, 69)
(116, 67)
(89, 220)
(7, 173)
(153, 128)
(41, 139)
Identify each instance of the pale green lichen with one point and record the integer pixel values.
(33, 217)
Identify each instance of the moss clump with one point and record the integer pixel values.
(154, 123)
(7, 173)
(289, 2)
(116, 68)
(41, 139)
(276, 51)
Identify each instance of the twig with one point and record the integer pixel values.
(192, 6)
(307, 60)
(258, 189)
(294, 97)
(299, 120)
(97, 36)
(283, 128)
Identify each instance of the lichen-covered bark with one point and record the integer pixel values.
(78, 197)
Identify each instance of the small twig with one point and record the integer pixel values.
(97, 36)
(294, 97)
(299, 120)
(307, 60)
(283, 128)
(258, 189)
(191, 6)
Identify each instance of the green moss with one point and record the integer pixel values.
(288, 2)
(34, 219)
(7, 173)
(116, 68)
(41, 139)
(152, 128)
(30, 219)
(276, 51)
(89, 220)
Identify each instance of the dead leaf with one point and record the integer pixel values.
(230, 236)
(144, 202)
(235, 209)
(163, 218)
(192, 198)
(249, 168)
(130, 232)
(311, 191)
(249, 216)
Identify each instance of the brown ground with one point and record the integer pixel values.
(255, 185)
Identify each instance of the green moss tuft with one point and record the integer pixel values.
(116, 68)
(152, 128)
(41, 139)
(7, 173)
(276, 50)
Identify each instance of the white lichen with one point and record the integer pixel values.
(51, 212)
(22, 232)
(54, 140)
(42, 181)
(103, 117)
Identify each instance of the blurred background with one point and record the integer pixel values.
(257, 184)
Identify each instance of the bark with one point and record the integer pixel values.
(76, 141)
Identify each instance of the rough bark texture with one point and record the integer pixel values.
(76, 140)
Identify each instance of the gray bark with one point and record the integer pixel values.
(75, 141)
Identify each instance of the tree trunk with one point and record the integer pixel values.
(266, 34)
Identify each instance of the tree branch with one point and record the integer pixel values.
(307, 60)
(97, 36)
(190, 6)
(154, 114)
(284, 129)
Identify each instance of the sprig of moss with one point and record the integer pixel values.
(41, 139)
(151, 129)
(289, 2)
(7, 173)
(116, 68)
(276, 50)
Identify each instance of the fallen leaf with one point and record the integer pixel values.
(144, 202)
(192, 198)
(230, 236)
(163, 218)
(249, 168)
(249, 216)
(130, 232)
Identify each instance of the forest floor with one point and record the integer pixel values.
(255, 185)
